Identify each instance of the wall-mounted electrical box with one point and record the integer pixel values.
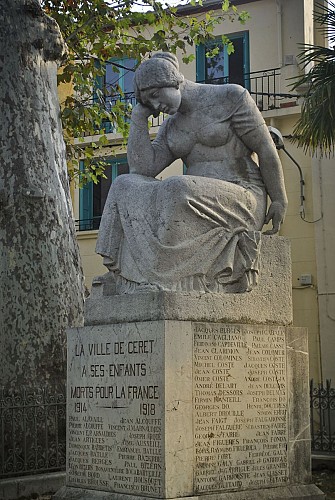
(305, 279)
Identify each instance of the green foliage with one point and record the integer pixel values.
(98, 31)
(315, 130)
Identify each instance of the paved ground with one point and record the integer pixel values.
(325, 480)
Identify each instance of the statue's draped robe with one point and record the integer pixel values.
(189, 232)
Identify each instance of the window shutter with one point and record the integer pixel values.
(85, 205)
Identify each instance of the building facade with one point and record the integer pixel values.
(265, 58)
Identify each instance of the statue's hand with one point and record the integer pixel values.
(276, 214)
(142, 111)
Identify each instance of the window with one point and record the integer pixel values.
(119, 75)
(92, 197)
(223, 68)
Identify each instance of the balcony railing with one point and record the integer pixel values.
(88, 224)
(264, 87)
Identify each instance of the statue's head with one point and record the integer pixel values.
(160, 71)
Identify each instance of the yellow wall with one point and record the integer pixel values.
(65, 90)
(323, 170)
(92, 263)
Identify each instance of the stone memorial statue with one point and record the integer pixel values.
(199, 231)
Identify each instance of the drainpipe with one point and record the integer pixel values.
(279, 32)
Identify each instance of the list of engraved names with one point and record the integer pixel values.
(240, 406)
(115, 424)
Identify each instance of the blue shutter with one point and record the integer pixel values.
(98, 84)
(114, 171)
(85, 205)
(200, 55)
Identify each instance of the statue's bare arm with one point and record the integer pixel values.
(146, 157)
(259, 141)
(250, 127)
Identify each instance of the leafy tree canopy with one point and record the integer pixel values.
(315, 130)
(97, 31)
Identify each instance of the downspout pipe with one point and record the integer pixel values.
(279, 32)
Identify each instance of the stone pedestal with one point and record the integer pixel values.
(178, 401)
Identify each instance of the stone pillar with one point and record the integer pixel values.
(174, 395)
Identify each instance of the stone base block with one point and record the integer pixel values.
(175, 409)
(300, 492)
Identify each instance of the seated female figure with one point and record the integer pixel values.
(200, 231)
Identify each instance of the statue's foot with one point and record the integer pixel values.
(101, 280)
(247, 282)
(147, 287)
(103, 285)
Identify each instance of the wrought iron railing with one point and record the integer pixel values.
(32, 432)
(322, 399)
(87, 224)
(264, 86)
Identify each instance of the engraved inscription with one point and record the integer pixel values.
(240, 407)
(115, 422)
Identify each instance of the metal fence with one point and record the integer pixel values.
(265, 88)
(32, 433)
(88, 224)
(322, 398)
